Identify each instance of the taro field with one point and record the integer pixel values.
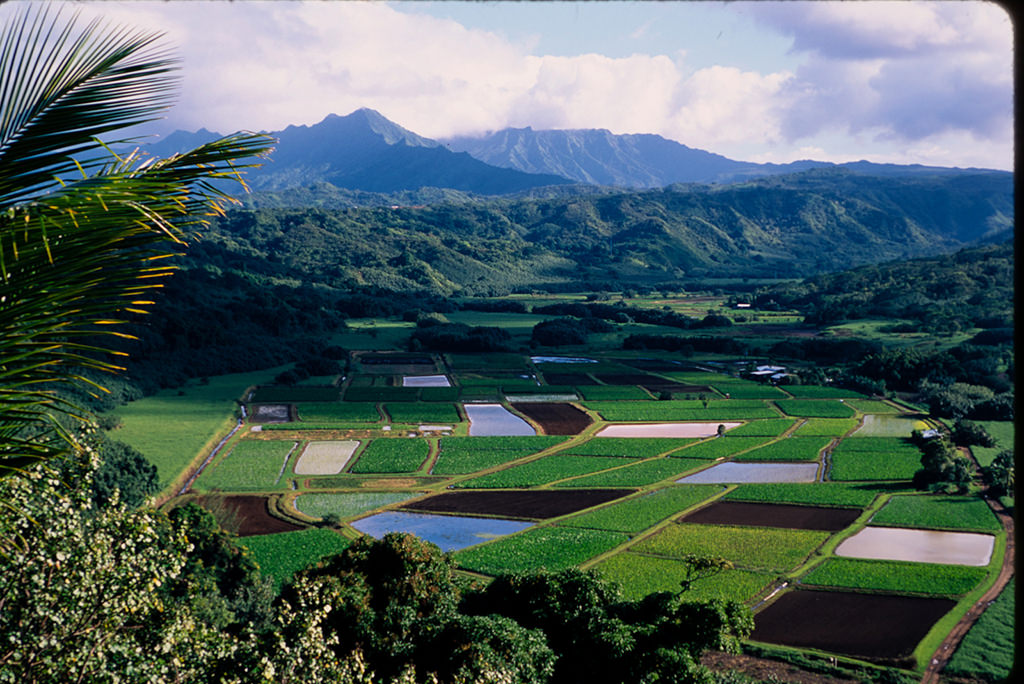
(436, 442)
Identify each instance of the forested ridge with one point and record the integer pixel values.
(783, 227)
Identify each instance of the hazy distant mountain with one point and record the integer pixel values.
(634, 161)
(365, 151)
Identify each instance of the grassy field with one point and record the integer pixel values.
(875, 458)
(643, 511)
(460, 456)
(1002, 432)
(815, 408)
(338, 412)
(681, 410)
(896, 576)
(629, 447)
(960, 513)
(172, 428)
(422, 413)
(987, 651)
(553, 548)
(347, 505)
(839, 494)
(637, 474)
(770, 427)
(788, 449)
(640, 575)
(542, 471)
(754, 548)
(881, 425)
(250, 466)
(719, 447)
(281, 555)
(392, 456)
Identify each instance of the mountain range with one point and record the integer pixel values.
(364, 151)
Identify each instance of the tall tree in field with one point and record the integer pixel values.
(84, 233)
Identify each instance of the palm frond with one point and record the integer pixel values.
(78, 254)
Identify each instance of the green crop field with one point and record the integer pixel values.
(938, 512)
(787, 449)
(882, 425)
(630, 447)
(896, 576)
(819, 392)
(613, 393)
(770, 427)
(553, 548)
(640, 512)
(831, 427)
(640, 575)
(463, 455)
(681, 410)
(740, 390)
(462, 361)
(422, 413)
(171, 428)
(337, 411)
(988, 650)
(392, 455)
(379, 394)
(754, 548)
(348, 504)
(873, 406)
(892, 445)
(857, 465)
(449, 394)
(250, 466)
(1002, 432)
(282, 394)
(815, 408)
(638, 474)
(281, 555)
(542, 471)
(719, 447)
(839, 494)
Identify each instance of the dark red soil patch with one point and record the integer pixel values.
(245, 515)
(871, 626)
(526, 504)
(555, 419)
(629, 379)
(775, 515)
(569, 379)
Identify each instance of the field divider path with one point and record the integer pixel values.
(942, 655)
(213, 453)
(284, 465)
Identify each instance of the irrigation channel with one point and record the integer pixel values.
(214, 452)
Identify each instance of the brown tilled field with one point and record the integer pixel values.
(555, 419)
(775, 515)
(246, 515)
(871, 626)
(517, 504)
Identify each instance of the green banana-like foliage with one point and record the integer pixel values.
(85, 234)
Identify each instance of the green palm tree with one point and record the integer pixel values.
(85, 233)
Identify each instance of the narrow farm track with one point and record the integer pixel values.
(948, 646)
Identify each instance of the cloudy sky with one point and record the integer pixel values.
(899, 81)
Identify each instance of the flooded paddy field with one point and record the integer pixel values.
(678, 430)
(739, 473)
(922, 546)
(494, 420)
(537, 504)
(870, 626)
(426, 381)
(449, 532)
(775, 515)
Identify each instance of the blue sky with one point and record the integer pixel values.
(900, 81)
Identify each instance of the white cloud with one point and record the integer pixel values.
(893, 78)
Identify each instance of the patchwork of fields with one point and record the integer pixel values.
(771, 479)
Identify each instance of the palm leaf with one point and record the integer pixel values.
(80, 252)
